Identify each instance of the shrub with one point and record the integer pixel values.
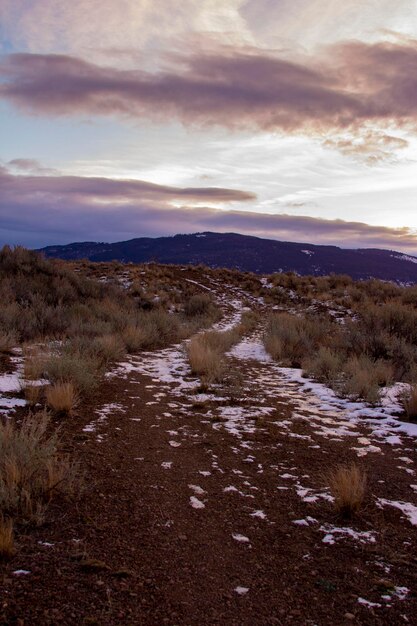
(109, 348)
(325, 366)
(290, 338)
(29, 464)
(248, 322)
(199, 304)
(159, 328)
(6, 538)
(61, 397)
(361, 379)
(347, 485)
(8, 341)
(73, 367)
(205, 360)
(34, 365)
(409, 402)
(32, 394)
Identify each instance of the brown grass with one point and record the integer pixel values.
(34, 364)
(205, 360)
(347, 485)
(32, 470)
(7, 549)
(409, 401)
(32, 394)
(61, 397)
(8, 341)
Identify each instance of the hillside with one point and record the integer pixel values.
(209, 458)
(251, 254)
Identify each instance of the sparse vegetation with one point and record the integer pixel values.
(409, 401)
(347, 485)
(371, 349)
(206, 350)
(32, 470)
(7, 548)
(61, 398)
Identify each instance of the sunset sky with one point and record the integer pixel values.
(289, 119)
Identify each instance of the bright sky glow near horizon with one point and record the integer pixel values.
(287, 119)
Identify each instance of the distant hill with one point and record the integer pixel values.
(247, 253)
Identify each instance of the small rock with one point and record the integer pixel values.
(349, 616)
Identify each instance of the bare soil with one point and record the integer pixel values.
(134, 550)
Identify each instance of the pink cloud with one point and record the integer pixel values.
(350, 85)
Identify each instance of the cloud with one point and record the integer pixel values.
(96, 190)
(88, 26)
(31, 166)
(41, 210)
(370, 145)
(349, 88)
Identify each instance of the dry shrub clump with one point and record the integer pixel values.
(32, 394)
(8, 341)
(347, 485)
(200, 304)
(205, 360)
(6, 537)
(206, 350)
(290, 339)
(74, 367)
(409, 402)
(325, 365)
(32, 470)
(61, 397)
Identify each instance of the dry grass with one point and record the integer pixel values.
(32, 470)
(325, 366)
(134, 338)
(34, 364)
(206, 353)
(347, 485)
(205, 360)
(61, 397)
(409, 402)
(109, 348)
(361, 380)
(73, 366)
(32, 394)
(7, 549)
(8, 341)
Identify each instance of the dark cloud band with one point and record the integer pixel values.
(41, 210)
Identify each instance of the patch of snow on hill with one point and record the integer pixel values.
(404, 257)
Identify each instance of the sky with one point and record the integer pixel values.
(287, 119)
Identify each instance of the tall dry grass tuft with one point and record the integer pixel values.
(8, 341)
(27, 454)
(409, 402)
(7, 549)
(205, 360)
(347, 485)
(62, 398)
(32, 394)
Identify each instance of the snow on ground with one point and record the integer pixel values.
(12, 383)
(102, 416)
(330, 415)
(248, 349)
(409, 510)
(334, 533)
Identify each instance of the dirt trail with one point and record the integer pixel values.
(211, 509)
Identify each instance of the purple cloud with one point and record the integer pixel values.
(41, 210)
(351, 84)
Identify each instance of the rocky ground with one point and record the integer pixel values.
(213, 507)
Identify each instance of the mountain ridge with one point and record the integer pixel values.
(247, 253)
